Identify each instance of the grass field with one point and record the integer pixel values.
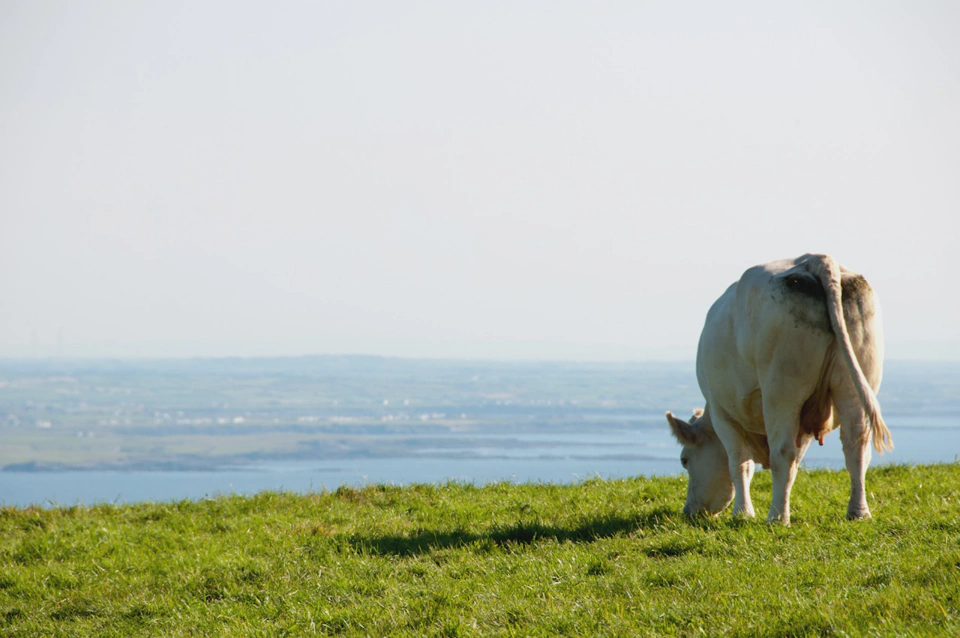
(613, 558)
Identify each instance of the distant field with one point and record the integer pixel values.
(597, 558)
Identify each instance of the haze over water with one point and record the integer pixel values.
(506, 180)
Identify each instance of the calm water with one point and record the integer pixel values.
(639, 447)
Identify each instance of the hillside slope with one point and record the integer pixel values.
(598, 558)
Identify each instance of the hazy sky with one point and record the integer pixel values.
(573, 180)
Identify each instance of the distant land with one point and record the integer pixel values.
(204, 414)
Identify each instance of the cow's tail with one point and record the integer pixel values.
(827, 270)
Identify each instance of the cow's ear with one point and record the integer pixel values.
(684, 432)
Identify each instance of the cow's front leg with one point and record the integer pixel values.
(784, 457)
(856, 452)
(740, 459)
(742, 474)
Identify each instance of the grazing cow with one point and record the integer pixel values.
(767, 367)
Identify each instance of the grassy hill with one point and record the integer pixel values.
(597, 558)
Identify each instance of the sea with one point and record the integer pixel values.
(923, 415)
(545, 457)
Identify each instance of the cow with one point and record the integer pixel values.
(767, 367)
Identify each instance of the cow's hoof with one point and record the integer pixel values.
(856, 513)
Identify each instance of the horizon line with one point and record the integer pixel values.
(357, 355)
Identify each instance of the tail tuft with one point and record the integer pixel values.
(882, 440)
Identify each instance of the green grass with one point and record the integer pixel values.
(612, 558)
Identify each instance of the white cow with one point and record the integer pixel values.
(767, 367)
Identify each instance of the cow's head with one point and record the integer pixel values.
(710, 488)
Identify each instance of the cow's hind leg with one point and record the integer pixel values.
(855, 436)
(740, 458)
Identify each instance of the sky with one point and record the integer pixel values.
(507, 180)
